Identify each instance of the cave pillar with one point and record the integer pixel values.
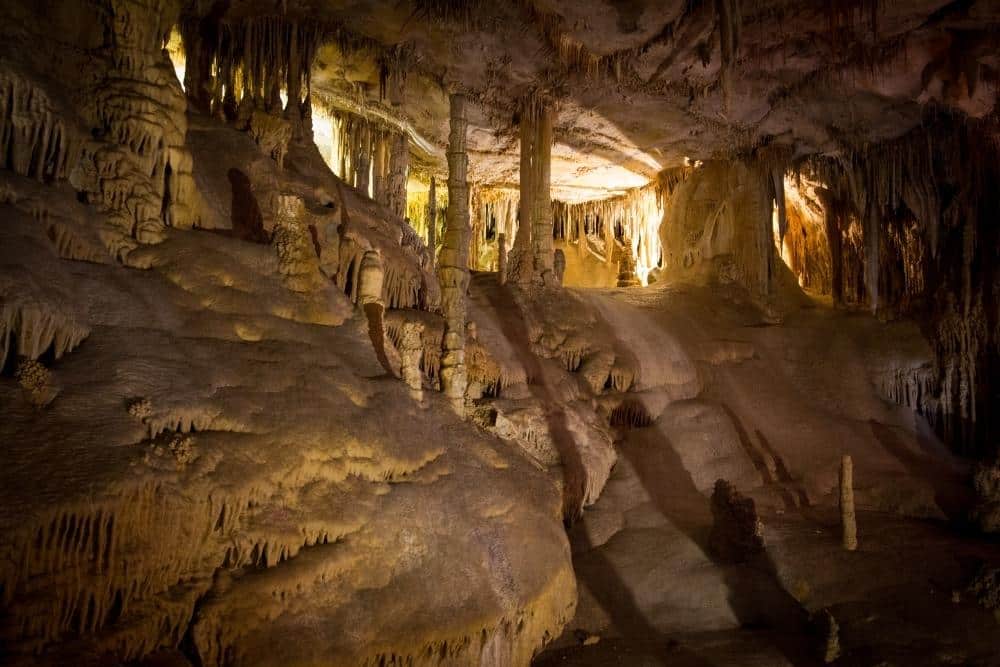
(872, 234)
(399, 162)
(293, 85)
(362, 156)
(379, 155)
(453, 272)
(835, 241)
(432, 220)
(541, 236)
(519, 260)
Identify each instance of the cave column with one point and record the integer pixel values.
(519, 260)
(399, 162)
(432, 220)
(453, 272)
(362, 156)
(399, 145)
(834, 238)
(379, 175)
(541, 236)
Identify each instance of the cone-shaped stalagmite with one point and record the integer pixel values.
(453, 272)
(847, 518)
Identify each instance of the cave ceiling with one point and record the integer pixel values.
(639, 83)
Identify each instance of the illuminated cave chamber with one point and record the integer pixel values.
(499, 334)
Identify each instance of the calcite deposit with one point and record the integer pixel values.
(528, 332)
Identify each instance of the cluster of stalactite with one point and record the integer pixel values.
(531, 258)
(133, 163)
(911, 227)
(803, 245)
(494, 220)
(610, 228)
(234, 68)
(369, 155)
(606, 229)
(37, 139)
(425, 212)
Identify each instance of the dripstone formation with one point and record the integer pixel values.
(463, 333)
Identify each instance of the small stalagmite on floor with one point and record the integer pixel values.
(848, 521)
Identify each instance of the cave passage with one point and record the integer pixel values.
(496, 334)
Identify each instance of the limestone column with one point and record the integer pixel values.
(379, 175)
(399, 161)
(519, 261)
(362, 156)
(541, 236)
(453, 272)
(432, 220)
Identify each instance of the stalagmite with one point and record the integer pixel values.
(454, 263)
(222, 452)
(848, 521)
(502, 258)
(626, 270)
(411, 351)
(558, 266)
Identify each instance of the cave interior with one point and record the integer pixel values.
(401, 333)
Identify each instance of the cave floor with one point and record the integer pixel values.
(650, 592)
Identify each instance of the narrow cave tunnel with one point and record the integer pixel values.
(530, 332)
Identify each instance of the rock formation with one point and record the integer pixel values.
(848, 520)
(737, 533)
(264, 403)
(454, 268)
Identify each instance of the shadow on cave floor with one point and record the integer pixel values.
(769, 618)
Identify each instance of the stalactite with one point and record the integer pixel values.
(255, 59)
(913, 216)
(453, 271)
(36, 139)
(638, 215)
(730, 21)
